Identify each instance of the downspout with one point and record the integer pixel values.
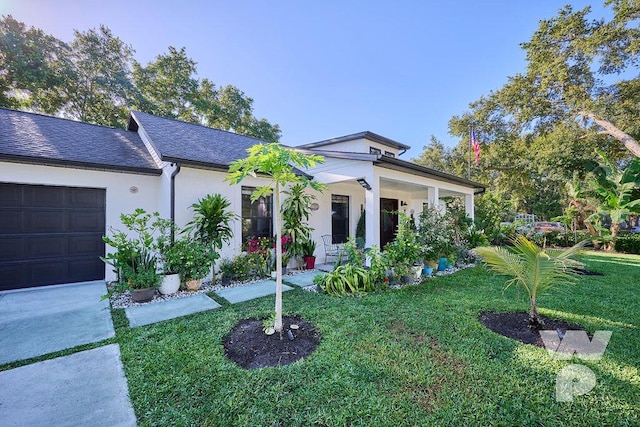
(175, 172)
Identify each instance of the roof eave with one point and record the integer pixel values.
(401, 165)
(78, 165)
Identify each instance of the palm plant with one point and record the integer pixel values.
(211, 221)
(533, 268)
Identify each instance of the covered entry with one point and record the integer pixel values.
(50, 235)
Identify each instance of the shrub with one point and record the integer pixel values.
(628, 244)
(348, 279)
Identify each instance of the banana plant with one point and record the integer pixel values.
(533, 268)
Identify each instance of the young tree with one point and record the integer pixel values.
(534, 269)
(277, 163)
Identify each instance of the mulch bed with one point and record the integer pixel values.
(516, 326)
(248, 346)
(585, 272)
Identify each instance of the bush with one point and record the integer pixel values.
(346, 279)
(554, 238)
(628, 244)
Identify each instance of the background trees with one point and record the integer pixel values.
(95, 79)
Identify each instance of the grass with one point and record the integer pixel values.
(417, 356)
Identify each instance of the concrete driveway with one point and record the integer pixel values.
(84, 388)
(39, 321)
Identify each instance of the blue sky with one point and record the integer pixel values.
(324, 69)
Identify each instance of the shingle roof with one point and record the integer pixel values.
(191, 143)
(36, 138)
(361, 135)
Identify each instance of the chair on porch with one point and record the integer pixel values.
(331, 249)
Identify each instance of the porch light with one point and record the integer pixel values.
(364, 183)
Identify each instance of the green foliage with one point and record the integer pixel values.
(628, 244)
(211, 221)
(348, 279)
(196, 258)
(308, 247)
(361, 226)
(296, 210)
(435, 234)
(405, 249)
(227, 268)
(532, 268)
(379, 265)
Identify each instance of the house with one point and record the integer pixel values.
(63, 184)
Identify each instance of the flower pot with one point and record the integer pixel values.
(143, 295)
(409, 278)
(193, 285)
(310, 262)
(417, 271)
(427, 271)
(170, 284)
(443, 264)
(226, 281)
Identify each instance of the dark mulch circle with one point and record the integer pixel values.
(516, 326)
(585, 272)
(248, 346)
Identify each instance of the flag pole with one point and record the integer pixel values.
(469, 159)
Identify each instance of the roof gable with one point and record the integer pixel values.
(191, 143)
(36, 138)
(356, 136)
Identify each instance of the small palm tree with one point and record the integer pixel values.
(535, 269)
(211, 220)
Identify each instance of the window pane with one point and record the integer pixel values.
(257, 220)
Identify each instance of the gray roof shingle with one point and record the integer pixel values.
(36, 138)
(192, 143)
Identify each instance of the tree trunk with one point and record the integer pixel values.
(534, 318)
(629, 142)
(615, 228)
(278, 323)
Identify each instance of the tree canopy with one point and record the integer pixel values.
(96, 79)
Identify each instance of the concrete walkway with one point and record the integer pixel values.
(170, 309)
(84, 389)
(302, 279)
(44, 320)
(250, 291)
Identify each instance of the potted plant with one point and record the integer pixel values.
(227, 271)
(308, 250)
(168, 256)
(141, 277)
(196, 258)
(403, 272)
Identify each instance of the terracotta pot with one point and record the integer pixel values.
(310, 262)
(143, 295)
(193, 285)
(170, 284)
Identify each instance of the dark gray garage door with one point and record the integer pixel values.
(50, 235)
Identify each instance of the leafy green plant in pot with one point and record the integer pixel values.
(168, 257)
(196, 259)
(227, 271)
(141, 276)
(308, 250)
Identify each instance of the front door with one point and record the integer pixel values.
(388, 220)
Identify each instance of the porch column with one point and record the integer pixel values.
(433, 194)
(372, 214)
(468, 205)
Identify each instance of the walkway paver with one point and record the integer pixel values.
(250, 291)
(84, 389)
(169, 309)
(302, 279)
(44, 320)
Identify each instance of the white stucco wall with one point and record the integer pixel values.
(118, 186)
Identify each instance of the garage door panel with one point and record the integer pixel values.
(46, 221)
(86, 269)
(86, 221)
(48, 246)
(44, 196)
(85, 198)
(50, 235)
(86, 245)
(11, 220)
(13, 248)
(10, 195)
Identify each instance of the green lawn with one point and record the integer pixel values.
(412, 357)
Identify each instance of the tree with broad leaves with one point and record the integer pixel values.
(577, 67)
(277, 163)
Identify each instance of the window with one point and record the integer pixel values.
(339, 218)
(257, 220)
(389, 154)
(373, 150)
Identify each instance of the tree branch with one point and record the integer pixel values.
(610, 129)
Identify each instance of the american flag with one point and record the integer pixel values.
(475, 145)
